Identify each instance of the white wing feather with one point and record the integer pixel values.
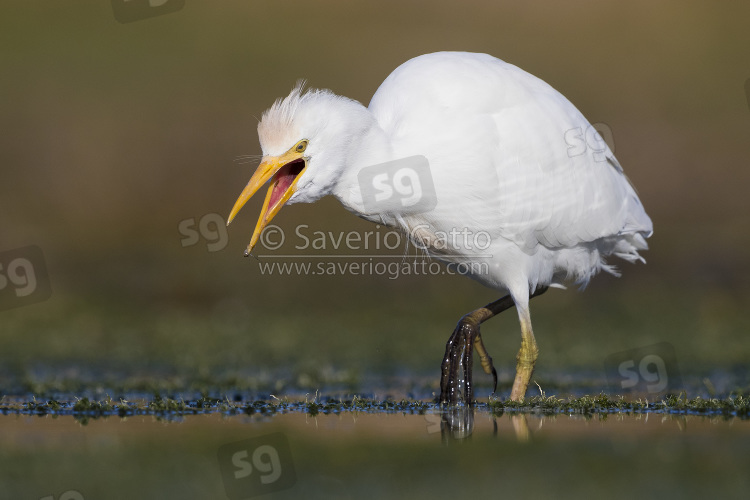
(507, 143)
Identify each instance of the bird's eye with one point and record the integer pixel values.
(301, 146)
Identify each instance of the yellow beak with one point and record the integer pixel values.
(284, 172)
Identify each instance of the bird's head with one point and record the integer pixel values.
(307, 139)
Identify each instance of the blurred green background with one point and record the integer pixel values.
(115, 134)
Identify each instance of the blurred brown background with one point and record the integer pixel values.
(113, 134)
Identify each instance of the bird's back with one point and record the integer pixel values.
(511, 156)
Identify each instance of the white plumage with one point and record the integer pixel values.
(497, 140)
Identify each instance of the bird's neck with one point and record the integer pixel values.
(372, 148)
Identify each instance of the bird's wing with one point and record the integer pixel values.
(508, 154)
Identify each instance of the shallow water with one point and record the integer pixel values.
(374, 455)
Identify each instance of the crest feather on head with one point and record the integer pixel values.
(277, 130)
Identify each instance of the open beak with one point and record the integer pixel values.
(284, 172)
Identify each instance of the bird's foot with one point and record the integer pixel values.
(456, 385)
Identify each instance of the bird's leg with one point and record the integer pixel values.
(525, 359)
(456, 382)
(455, 387)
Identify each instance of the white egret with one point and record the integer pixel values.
(513, 166)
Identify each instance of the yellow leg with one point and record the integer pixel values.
(525, 359)
(484, 357)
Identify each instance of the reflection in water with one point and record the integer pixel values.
(521, 427)
(370, 454)
(457, 423)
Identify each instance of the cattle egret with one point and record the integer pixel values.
(535, 196)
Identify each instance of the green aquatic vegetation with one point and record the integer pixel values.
(733, 406)
(167, 405)
(85, 406)
(51, 406)
(589, 405)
